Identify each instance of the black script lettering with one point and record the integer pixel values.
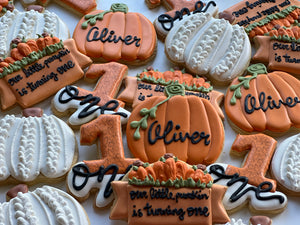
(161, 193)
(33, 86)
(198, 211)
(264, 104)
(144, 86)
(36, 67)
(15, 80)
(282, 46)
(72, 94)
(164, 212)
(288, 59)
(138, 195)
(295, 47)
(137, 213)
(195, 137)
(109, 36)
(191, 195)
(57, 56)
(271, 10)
(64, 68)
(159, 88)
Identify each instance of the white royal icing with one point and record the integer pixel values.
(33, 145)
(285, 163)
(249, 196)
(209, 46)
(74, 119)
(46, 205)
(27, 25)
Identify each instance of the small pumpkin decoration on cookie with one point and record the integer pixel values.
(264, 101)
(187, 126)
(116, 35)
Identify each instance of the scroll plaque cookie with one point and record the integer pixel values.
(116, 35)
(168, 191)
(37, 69)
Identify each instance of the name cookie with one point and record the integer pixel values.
(194, 133)
(39, 68)
(209, 46)
(263, 101)
(45, 205)
(35, 147)
(168, 191)
(116, 35)
(152, 83)
(248, 184)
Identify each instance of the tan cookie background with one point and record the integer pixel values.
(101, 216)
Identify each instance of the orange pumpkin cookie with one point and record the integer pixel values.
(6, 5)
(152, 83)
(279, 50)
(116, 35)
(78, 6)
(264, 101)
(185, 125)
(176, 11)
(168, 191)
(260, 17)
(38, 68)
(248, 184)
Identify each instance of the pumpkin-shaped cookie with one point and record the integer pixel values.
(209, 46)
(116, 35)
(187, 126)
(264, 101)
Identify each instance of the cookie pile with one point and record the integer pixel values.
(156, 117)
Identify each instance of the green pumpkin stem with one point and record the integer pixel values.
(170, 91)
(92, 19)
(254, 69)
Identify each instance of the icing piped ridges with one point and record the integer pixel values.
(233, 52)
(293, 163)
(26, 149)
(5, 125)
(24, 213)
(185, 32)
(6, 22)
(57, 205)
(50, 23)
(27, 27)
(206, 44)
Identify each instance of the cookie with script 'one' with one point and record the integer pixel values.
(45, 205)
(260, 17)
(116, 35)
(263, 101)
(27, 25)
(248, 185)
(37, 69)
(169, 191)
(185, 125)
(209, 46)
(279, 50)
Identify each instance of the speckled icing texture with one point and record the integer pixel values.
(27, 25)
(45, 205)
(33, 146)
(286, 163)
(235, 222)
(209, 46)
(240, 191)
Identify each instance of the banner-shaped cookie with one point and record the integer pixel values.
(264, 101)
(116, 35)
(152, 83)
(260, 17)
(280, 50)
(185, 125)
(37, 69)
(168, 192)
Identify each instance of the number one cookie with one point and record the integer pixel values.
(261, 148)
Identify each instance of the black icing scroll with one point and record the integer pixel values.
(261, 188)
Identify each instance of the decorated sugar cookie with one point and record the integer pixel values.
(285, 165)
(45, 205)
(116, 35)
(254, 220)
(5, 6)
(209, 46)
(37, 69)
(280, 49)
(98, 174)
(82, 7)
(168, 191)
(152, 83)
(185, 125)
(88, 105)
(263, 101)
(260, 17)
(41, 148)
(177, 9)
(27, 25)
(248, 184)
